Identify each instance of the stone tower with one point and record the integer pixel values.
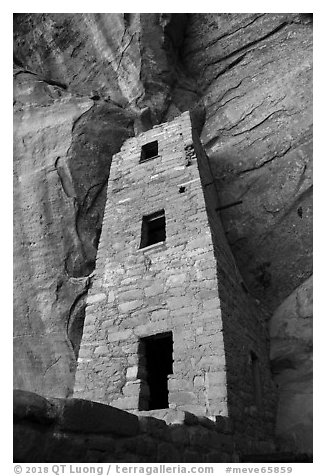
(169, 323)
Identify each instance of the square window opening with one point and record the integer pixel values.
(153, 229)
(149, 151)
(155, 365)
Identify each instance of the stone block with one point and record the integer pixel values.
(132, 372)
(178, 384)
(92, 299)
(126, 403)
(216, 392)
(154, 290)
(132, 389)
(183, 398)
(33, 407)
(130, 296)
(177, 291)
(144, 329)
(211, 304)
(183, 316)
(215, 379)
(180, 302)
(89, 417)
(160, 314)
(152, 426)
(204, 339)
(207, 273)
(199, 381)
(101, 350)
(129, 306)
(120, 335)
(86, 351)
(193, 409)
(176, 280)
(90, 318)
(200, 242)
(132, 359)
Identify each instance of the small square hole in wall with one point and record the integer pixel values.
(153, 229)
(149, 151)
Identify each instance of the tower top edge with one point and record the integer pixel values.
(150, 134)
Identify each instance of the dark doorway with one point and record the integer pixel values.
(156, 356)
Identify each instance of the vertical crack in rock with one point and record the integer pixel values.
(76, 316)
(125, 49)
(64, 176)
(55, 361)
(96, 136)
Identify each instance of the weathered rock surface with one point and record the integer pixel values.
(82, 87)
(58, 219)
(291, 358)
(128, 58)
(255, 71)
(86, 82)
(44, 231)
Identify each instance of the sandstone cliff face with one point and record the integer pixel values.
(256, 73)
(291, 358)
(86, 82)
(44, 230)
(82, 87)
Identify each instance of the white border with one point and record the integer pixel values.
(230, 6)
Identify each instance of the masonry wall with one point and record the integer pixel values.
(188, 285)
(170, 286)
(79, 431)
(244, 327)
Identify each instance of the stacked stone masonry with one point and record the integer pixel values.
(73, 430)
(187, 284)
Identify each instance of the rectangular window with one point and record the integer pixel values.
(149, 151)
(155, 365)
(153, 229)
(255, 371)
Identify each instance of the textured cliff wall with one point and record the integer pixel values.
(86, 82)
(291, 358)
(44, 237)
(255, 74)
(81, 89)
